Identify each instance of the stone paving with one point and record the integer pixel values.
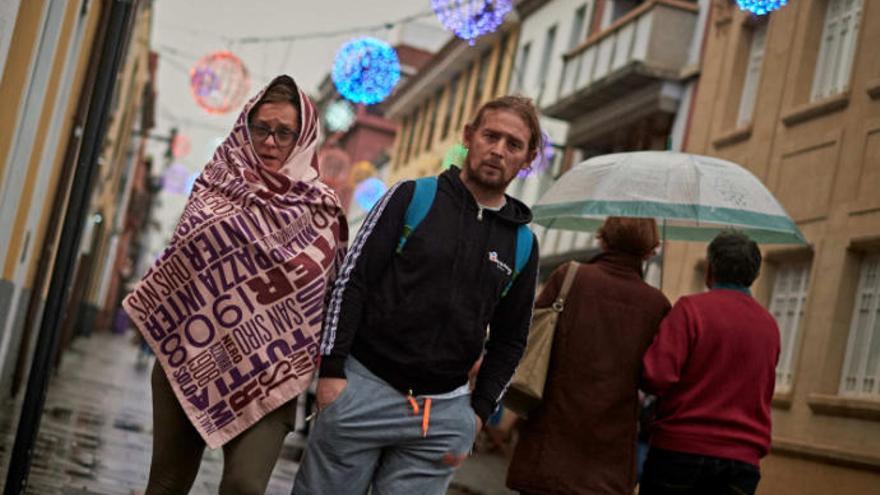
(95, 437)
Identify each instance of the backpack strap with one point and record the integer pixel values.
(423, 197)
(524, 240)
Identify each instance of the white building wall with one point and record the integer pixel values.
(543, 87)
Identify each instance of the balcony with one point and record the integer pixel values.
(648, 45)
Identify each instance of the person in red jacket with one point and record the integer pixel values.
(712, 366)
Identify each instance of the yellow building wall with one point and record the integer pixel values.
(822, 161)
(26, 201)
(17, 70)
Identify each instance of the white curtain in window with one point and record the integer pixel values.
(787, 306)
(861, 368)
(753, 74)
(837, 49)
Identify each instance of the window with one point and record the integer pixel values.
(787, 306)
(502, 52)
(465, 84)
(577, 27)
(615, 9)
(450, 107)
(861, 368)
(435, 107)
(481, 79)
(413, 122)
(547, 57)
(521, 67)
(753, 74)
(838, 47)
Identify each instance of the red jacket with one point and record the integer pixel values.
(712, 365)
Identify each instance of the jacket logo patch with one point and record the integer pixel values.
(493, 257)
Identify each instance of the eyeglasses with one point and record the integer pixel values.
(282, 135)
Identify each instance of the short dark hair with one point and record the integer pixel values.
(734, 258)
(282, 90)
(520, 105)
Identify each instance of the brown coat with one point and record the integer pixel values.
(582, 438)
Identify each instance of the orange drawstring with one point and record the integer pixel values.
(413, 403)
(426, 415)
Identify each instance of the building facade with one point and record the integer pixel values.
(432, 107)
(795, 98)
(49, 54)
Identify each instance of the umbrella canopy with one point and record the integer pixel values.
(694, 196)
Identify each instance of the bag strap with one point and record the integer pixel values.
(524, 240)
(559, 303)
(417, 210)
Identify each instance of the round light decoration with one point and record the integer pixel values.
(339, 116)
(219, 82)
(369, 192)
(470, 19)
(190, 182)
(361, 171)
(174, 179)
(542, 160)
(181, 146)
(760, 7)
(366, 70)
(455, 156)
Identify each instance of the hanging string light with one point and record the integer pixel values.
(760, 7)
(470, 19)
(366, 70)
(339, 116)
(219, 82)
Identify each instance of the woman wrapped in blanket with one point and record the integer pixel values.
(233, 306)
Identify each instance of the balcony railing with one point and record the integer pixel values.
(649, 43)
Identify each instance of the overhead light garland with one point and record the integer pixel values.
(219, 82)
(760, 7)
(366, 70)
(470, 19)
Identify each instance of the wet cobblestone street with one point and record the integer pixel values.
(96, 433)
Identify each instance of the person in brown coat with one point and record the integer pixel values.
(582, 438)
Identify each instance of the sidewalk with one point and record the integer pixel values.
(96, 433)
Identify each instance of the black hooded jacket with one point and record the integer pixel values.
(418, 318)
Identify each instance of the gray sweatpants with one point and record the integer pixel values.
(371, 436)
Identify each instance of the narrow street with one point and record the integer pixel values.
(96, 433)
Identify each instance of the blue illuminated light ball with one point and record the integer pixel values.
(760, 7)
(470, 19)
(369, 192)
(366, 70)
(339, 116)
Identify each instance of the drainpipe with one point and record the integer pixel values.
(117, 32)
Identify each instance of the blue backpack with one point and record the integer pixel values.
(420, 204)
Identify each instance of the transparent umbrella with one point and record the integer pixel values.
(693, 197)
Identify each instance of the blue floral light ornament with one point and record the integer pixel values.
(366, 70)
(470, 19)
(760, 7)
